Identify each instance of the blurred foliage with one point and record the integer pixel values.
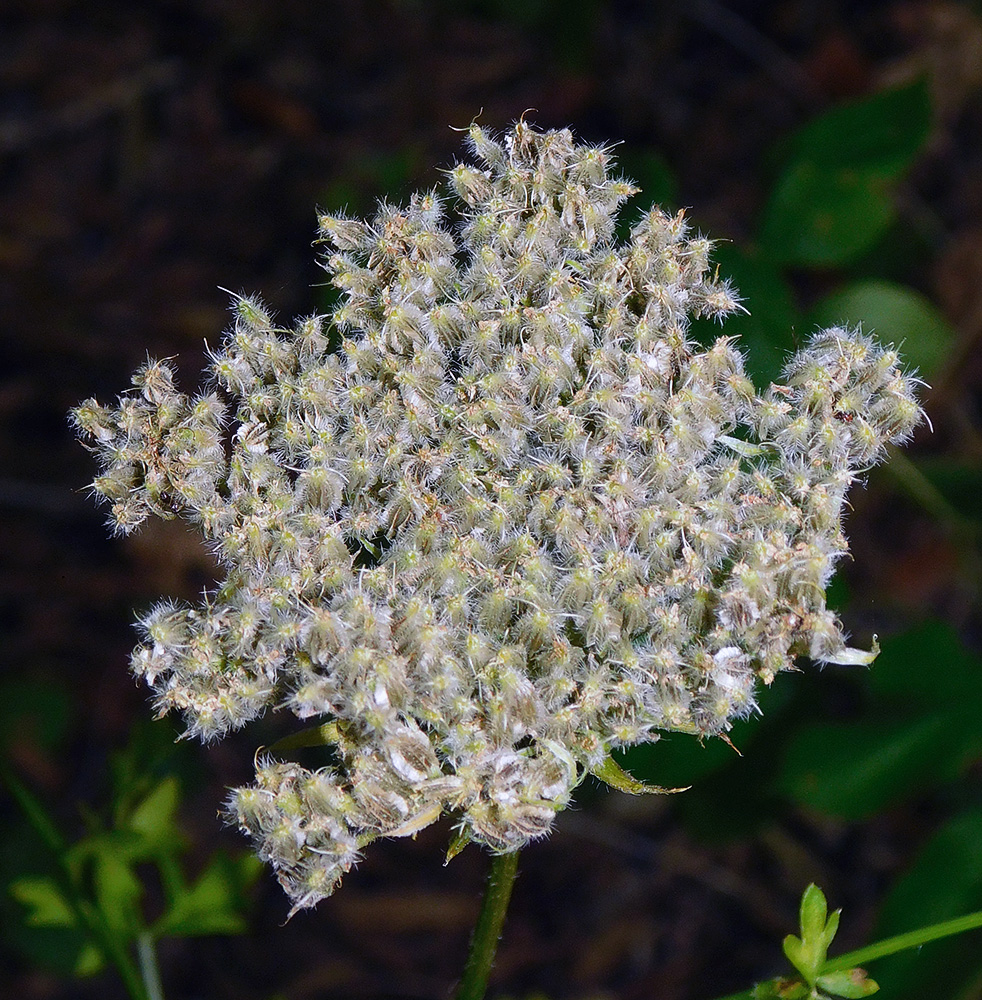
(75, 907)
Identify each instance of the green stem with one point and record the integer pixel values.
(902, 942)
(487, 931)
(146, 949)
(890, 946)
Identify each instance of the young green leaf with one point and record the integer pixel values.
(848, 983)
(807, 953)
(813, 913)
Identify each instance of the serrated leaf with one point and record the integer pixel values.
(611, 773)
(848, 983)
(882, 133)
(821, 218)
(896, 314)
(45, 902)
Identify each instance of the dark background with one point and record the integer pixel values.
(154, 153)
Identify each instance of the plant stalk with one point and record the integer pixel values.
(487, 931)
(146, 949)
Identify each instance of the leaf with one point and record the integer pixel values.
(460, 840)
(807, 953)
(47, 906)
(854, 769)
(848, 983)
(210, 906)
(153, 817)
(929, 665)
(90, 961)
(821, 218)
(813, 912)
(781, 989)
(118, 892)
(611, 773)
(797, 954)
(882, 133)
(896, 314)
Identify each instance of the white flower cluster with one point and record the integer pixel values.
(499, 518)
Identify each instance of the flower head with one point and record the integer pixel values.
(496, 517)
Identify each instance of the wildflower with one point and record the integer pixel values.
(517, 519)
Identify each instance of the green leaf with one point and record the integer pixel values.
(848, 983)
(813, 913)
(118, 892)
(798, 955)
(882, 133)
(817, 217)
(831, 926)
(47, 906)
(929, 665)
(90, 961)
(209, 906)
(611, 773)
(854, 769)
(153, 817)
(896, 314)
(458, 842)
